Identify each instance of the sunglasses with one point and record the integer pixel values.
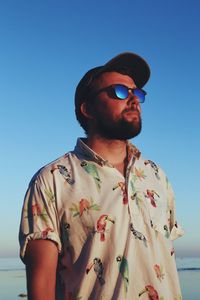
(121, 92)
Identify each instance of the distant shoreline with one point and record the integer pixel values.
(188, 269)
(9, 264)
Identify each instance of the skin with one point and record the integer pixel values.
(42, 255)
(41, 263)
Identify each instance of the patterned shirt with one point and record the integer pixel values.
(114, 233)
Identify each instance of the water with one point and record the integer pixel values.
(13, 280)
(189, 274)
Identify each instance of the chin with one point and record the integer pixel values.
(122, 134)
(130, 135)
(121, 130)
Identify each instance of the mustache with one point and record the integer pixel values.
(131, 110)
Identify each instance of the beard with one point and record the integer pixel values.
(120, 129)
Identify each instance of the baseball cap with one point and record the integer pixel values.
(137, 67)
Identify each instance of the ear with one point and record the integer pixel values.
(86, 111)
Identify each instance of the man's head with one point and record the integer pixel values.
(95, 103)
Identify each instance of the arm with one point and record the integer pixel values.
(41, 263)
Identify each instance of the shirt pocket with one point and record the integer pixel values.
(161, 223)
(160, 217)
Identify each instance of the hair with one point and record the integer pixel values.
(84, 89)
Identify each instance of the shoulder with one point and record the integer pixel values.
(46, 173)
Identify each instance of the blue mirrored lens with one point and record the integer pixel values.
(139, 94)
(121, 92)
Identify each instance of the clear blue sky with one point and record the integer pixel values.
(45, 48)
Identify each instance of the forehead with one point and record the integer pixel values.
(109, 78)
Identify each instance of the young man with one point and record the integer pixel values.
(98, 223)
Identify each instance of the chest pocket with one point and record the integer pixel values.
(158, 211)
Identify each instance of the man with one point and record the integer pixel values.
(100, 219)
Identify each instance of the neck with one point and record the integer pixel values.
(114, 151)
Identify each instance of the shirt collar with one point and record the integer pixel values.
(87, 153)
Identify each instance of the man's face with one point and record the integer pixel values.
(115, 119)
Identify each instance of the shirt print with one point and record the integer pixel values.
(114, 233)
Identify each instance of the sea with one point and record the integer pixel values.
(13, 278)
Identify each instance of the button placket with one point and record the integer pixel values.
(129, 189)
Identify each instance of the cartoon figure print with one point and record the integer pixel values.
(98, 269)
(154, 167)
(138, 174)
(39, 212)
(91, 169)
(122, 186)
(167, 232)
(138, 235)
(151, 195)
(151, 291)
(83, 207)
(159, 272)
(46, 231)
(123, 270)
(103, 225)
(64, 172)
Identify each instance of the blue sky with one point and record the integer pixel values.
(47, 46)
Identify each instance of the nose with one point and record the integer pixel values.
(133, 99)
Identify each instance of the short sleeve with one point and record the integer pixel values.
(175, 229)
(39, 219)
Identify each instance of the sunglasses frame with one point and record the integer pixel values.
(111, 89)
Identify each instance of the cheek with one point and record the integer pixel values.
(111, 109)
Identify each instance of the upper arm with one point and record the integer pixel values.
(39, 220)
(41, 258)
(41, 253)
